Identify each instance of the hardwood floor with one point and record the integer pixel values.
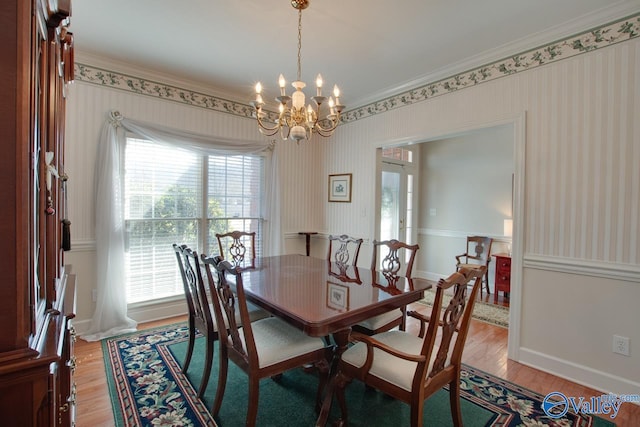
(486, 349)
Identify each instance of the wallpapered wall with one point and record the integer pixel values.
(580, 205)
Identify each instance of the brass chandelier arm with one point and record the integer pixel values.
(326, 131)
(264, 129)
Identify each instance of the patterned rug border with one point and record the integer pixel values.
(511, 404)
(485, 312)
(120, 392)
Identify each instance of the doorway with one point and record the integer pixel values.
(441, 229)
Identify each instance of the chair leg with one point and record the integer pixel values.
(486, 281)
(417, 409)
(192, 340)
(222, 380)
(254, 391)
(454, 400)
(207, 366)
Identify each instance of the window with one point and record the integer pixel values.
(398, 154)
(177, 196)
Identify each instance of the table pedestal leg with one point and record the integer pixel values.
(342, 342)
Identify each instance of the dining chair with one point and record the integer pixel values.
(262, 349)
(200, 313)
(411, 368)
(201, 317)
(398, 260)
(342, 257)
(478, 253)
(344, 249)
(235, 244)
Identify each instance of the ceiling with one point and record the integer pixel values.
(370, 48)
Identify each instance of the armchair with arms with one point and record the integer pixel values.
(478, 254)
(411, 368)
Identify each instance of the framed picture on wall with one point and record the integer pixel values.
(340, 188)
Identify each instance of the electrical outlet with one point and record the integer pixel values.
(621, 345)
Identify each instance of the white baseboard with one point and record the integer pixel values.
(164, 310)
(428, 275)
(580, 374)
(141, 314)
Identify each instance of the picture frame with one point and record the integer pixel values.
(337, 296)
(340, 188)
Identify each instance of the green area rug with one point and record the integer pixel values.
(148, 388)
(485, 312)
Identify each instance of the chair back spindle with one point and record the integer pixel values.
(344, 249)
(236, 244)
(392, 266)
(393, 260)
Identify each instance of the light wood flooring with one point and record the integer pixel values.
(486, 349)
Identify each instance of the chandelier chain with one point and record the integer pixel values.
(299, 44)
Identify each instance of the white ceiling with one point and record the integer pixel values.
(370, 48)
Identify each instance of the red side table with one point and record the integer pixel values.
(503, 275)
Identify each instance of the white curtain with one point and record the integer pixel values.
(110, 317)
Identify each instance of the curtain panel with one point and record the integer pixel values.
(110, 317)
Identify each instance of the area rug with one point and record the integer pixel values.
(148, 388)
(485, 312)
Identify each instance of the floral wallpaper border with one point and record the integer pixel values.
(605, 35)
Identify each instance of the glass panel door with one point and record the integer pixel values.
(396, 203)
(391, 219)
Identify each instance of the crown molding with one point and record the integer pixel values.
(125, 68)
(597, 38)
(611, 13)
(110, 73)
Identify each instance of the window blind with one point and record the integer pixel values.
(165, 189)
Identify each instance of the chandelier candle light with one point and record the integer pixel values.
(295, 119)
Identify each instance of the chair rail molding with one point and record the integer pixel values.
(606, 270)
(458, 234)
(83, 246)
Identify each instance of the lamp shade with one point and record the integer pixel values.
(508, 227)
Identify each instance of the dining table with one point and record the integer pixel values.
(324, 298)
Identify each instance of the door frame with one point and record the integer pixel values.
(518, 121)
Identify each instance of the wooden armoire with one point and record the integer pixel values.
(37, 291)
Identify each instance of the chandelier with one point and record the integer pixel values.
(297, 120)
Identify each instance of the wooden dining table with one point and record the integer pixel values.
(325, 298)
